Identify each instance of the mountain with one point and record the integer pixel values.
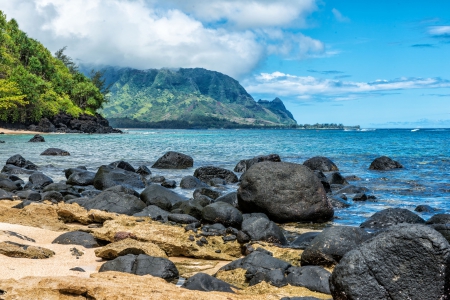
(185, 98)
(35, 85)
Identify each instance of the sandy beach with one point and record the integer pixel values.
(12, 131)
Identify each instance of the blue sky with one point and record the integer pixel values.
(371, 63)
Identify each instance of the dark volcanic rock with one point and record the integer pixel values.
(53, 196)
(39, 180)
(117, 202)
(19, 161)
(391, 216)
(11, 169)
(123, 165)
(223, 213)
(230, 198)
(4, 195)
(55, 152)
(9, 185)
(160, 196)
(407, 261)
(321, 163)
(384, 163)
(29, 195)
(338, 202)
(207, 173)
(170, 184)
(337, 178)
(81, 178)
(206, 192)
(143, 170)
(439, 219)
(77, 238)
(142, 264)
(174, 160)
(182, 218)
(285, 192)
(154, 212)
(191, 182)
(245, 164)
(331, 244)
(424, 208)
(313, 278)
(70, 171)
(108, 176)
(304, 240)
(207, 283)
(37, 139)
(262, 229)
(351, 189)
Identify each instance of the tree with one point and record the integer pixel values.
(10, 98)
(67, 61)
(97, 78)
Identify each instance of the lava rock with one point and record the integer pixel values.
(77, 238)
(384, 163)
(209, 172)
(143, 170)
(338, 202)
(206, 192)
(191, 182)
(313, 278)
(224, 213)
(174, 160)
(118, 202)
(81, 178)
(182, 218)
(170, 184)
(331, 244)
(424, 208)
(70, 171)
(321, 163)
(262, 229)
(160, 196)
(123, 165)
(207, 283)
(37, 139)
(154, 212)
(286, 192)
(39, 180)
(55, 152)
(108, 176)
(245, 164)
(337, 178)
(230, 198)
(391, 216)
(409, 261)
(439, 219)
(304, 240)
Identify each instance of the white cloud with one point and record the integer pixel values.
(439, 31)
(339, 17)
(174, 33)
(307, 87)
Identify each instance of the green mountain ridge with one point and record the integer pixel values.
(188, 96)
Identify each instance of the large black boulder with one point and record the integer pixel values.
(384, 163)
(262, 229)
(285, 192)
(313, 278)
(408, 261)
(118, 202)
(108, 176)
(123, 165)
(329, 246)
(439, 219)
(37, 139)
(19, 161)
(257, 261)
(11, 169)
(81, 238)
(70, 171)
(230, 198)
(9, 185)
(154, 212)
(174, 160)
(55, 152)
(39, 180)
(207, 173)
(391, 216)
(223, 213)
(160, 196)
(142, 264)
(191, 182)
(83, 178)
(182, 218)
(245, 164)
(304, 240)
(320, 163)
(207, 283)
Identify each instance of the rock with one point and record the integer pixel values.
(142, 265)
(55, 152)
(17, 160)
(443, 229)
(389, 265)
(274, 277)
(11, 169)
(207, 283)
(224, 213)
(384, 163)
(230, 198)
(170, 184)
(360, 197)
(123, 165)
(123, 189)
(118, 202)
(123, 235)
(391, 216)
(4, 195)
(352, 178)
(331, 244)
(39, 180)
(304, 240)
(191, 208)
(182, 218)
(206, 192)
(160, 196)
(337, 202)
(313, 278)
(191, 182)
(129, 246)
(81, 178)
(77, 269)
(9, 185)
(154, 212)
(209, 172)
(321, 163)
(424, 208)
(351, 189)
(337, 178)
(439, 219)
(77, 238)
(286, 192)
(37, 139)
(53, 196)
(16, 250)
(143, 170)
(245, 164)
(262, 229)
(108, 176)
(174, 160)
(157, 179)
(70, 171)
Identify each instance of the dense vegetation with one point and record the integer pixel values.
(186, 98)
(34, 84)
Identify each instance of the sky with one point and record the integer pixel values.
(377, 64)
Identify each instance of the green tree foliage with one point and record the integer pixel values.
(34, 84)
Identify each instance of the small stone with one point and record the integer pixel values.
(191, 238)
(218, 251)
(203, 240)
(121, 235)
(77, 269)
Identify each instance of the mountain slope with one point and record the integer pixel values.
(192, 96)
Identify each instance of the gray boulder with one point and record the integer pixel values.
(118, 202)
(154, 212)
(174, 160)
(83, 178)
(207, 283)
(55, 152)
(262, 229)
(384, 163)
(391, 216)
(191, 182)
(321, 163)
(313, 278)
(81, 238)
(37, 139)
(108, 176)
(160, 196)
(285, 192)
(223, 213)
(207, 173)
(245, 164)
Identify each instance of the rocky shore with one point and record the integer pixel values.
(121, 233)
(64, 123)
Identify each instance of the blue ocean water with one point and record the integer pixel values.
(425, 155)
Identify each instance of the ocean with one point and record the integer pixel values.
(424, 153)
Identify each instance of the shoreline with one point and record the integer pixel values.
(18, 131)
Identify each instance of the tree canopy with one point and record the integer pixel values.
(34, 84)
